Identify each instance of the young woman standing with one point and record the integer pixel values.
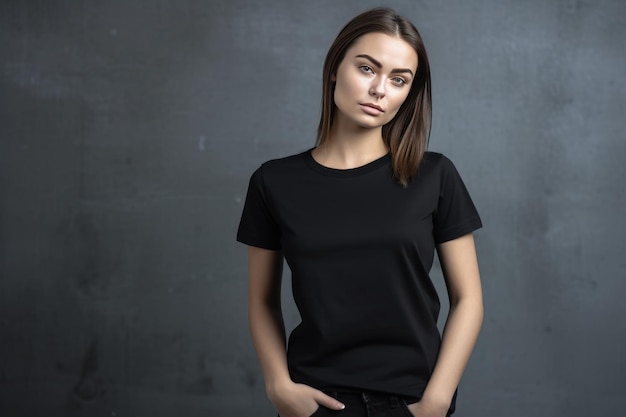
(358, 219)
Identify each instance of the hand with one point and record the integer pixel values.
(299, 400)
(425, 408)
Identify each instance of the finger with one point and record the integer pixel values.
(328, 401)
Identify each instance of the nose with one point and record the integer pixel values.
(377, 89)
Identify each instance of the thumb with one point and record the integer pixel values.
(328, 401)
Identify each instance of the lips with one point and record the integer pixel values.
(373, 106)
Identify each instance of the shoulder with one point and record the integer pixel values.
(280, 168)
(436, 162)
(280, 165)
(436, 158)
(438, 168)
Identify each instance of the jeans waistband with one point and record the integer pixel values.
(368, 397)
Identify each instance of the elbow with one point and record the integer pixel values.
(470, 306)
(261, 306)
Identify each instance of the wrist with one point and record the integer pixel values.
(436, 402)
(279, 384)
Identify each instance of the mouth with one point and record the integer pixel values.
(373, 106)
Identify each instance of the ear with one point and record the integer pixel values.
(333, 77)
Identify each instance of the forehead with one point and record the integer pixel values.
(390, 51)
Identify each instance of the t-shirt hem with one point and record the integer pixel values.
(258, 243)
(412, 394)
(458, 231)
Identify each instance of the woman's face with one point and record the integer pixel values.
(373, 79)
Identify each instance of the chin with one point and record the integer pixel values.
(371, 124)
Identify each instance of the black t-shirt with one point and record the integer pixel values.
(360, 248)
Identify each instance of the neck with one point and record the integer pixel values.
(350, 147)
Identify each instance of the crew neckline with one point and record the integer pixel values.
(348, 172)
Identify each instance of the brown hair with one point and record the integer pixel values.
(408, 132)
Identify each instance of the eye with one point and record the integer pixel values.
(366, 68)
(399, 81)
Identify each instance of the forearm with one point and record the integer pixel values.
(459, 337)
(265, 316)
(268, 336)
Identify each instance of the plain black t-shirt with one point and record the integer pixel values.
(360, 247)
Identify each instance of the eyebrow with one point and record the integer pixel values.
(379, 65)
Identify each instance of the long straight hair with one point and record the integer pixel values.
(408, 132)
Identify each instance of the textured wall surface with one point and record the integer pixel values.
(128, 132)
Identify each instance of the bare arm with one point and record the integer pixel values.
(265, 314)
(460, 269)
(268, 336)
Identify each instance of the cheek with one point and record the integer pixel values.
(398, 99)
(395, 104)
(344, 91)
(351, 84)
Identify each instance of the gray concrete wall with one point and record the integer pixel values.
(129, 129)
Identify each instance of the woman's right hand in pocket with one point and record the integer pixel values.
(299, 400)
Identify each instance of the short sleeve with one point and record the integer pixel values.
(456, 214)
(258, 226)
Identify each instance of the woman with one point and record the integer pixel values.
(358, 218)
